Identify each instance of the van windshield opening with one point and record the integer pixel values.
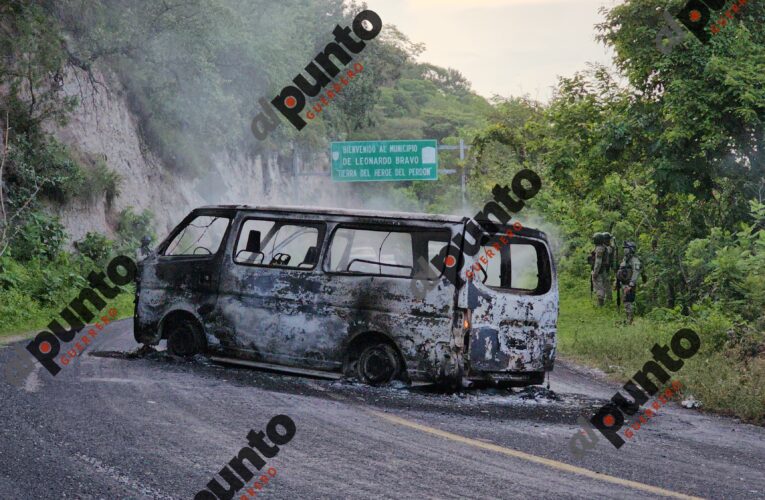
(201, 236)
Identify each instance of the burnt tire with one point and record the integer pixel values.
(185, 339)
(378, 364)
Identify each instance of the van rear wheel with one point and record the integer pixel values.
(378, 364)
(185, 338)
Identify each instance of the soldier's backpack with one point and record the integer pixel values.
(624, 274)
(608, 258)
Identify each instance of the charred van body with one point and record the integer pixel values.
(331, 290)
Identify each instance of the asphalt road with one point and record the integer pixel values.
(110, 426)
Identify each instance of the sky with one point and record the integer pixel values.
(504, 47)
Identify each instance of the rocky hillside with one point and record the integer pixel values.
(102, 127)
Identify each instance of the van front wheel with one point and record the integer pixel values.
(185, 338)
(378, 364)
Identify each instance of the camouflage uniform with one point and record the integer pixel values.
(601, 267)
(627, 276)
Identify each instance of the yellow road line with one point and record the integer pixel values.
(532, 458)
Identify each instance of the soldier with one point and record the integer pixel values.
(627, 276)
(601, 263)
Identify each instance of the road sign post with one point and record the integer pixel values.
(369, 161)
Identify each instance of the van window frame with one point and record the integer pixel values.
(376, 226)
(318, 224)
(162, 248)
(545, 283)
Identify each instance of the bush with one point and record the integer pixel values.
(108, 181)
(729, 268)
(41, 161)
(18, 313)
(41, 236)
(8, 276)
(50, 282)
(665, 315)
(132, 228)
(100, 179)
(34, 292)
(96, 247)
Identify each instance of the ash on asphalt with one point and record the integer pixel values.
(535, 403)
(148, 352)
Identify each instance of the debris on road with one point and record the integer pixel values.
(691, 402)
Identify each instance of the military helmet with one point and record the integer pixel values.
(597, 238)
(630, 245)
(607, 237)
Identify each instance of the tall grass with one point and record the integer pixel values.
(35, 292)
(724, 378)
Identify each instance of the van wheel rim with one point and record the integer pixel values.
(378, 366)
(183, 342)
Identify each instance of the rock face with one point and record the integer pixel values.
(103, 127)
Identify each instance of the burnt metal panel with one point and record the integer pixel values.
(306, 318)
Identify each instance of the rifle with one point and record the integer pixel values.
(591, 262)
(618, 288)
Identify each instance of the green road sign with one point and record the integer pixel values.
(365, 161)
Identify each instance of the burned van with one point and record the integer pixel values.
(332, 290)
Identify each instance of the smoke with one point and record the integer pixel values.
(554, 233)
(195, 83)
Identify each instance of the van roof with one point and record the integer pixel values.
(345, 212)
(454, 219)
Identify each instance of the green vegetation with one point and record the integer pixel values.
(34, 292)
(194, 71)
(724, 375)
(96, 247)
(673, 160)
(38, 277)
(22, 316)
